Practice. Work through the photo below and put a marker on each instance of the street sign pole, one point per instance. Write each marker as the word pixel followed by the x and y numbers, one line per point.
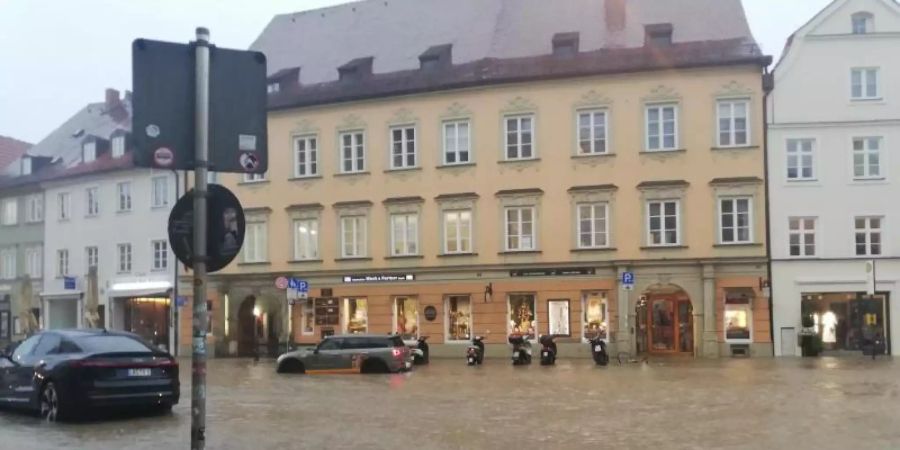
pixel 201 155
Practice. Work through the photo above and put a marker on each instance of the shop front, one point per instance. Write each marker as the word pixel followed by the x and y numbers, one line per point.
pixel 62 311
pixel 142 307
pixel 843 323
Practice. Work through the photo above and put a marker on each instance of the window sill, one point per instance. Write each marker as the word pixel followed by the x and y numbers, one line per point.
pixel 867 101
pixel 593 249
pixel 791 181
pixel 310 177
pixel 589 156
pixel 664 247
pixel 735 147
pixel 159 206
pixel 457 165
pixel 738 244
pixel 405 257
pixel 250 183
pixel 124 211
pixel 456 255
pixel 403 169
pixel 91 216
pixel 255 263
pixel 305 261
pixel 869 180
pixel 163 270
pixel 520 252
pixel 519 161
pixel 350 174
pixel 674 151
pixel 353 258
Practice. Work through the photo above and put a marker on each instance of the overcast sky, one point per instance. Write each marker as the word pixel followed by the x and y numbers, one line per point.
pixel 56 56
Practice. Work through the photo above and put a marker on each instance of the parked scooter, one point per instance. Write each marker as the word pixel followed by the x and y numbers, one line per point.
pixel 521 349
pixel 598 351
pixel 548 350
pixel 475 352
pixel 419 349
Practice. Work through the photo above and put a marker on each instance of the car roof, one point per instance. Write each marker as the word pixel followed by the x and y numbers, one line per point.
pixel 361 336
pixel 75 333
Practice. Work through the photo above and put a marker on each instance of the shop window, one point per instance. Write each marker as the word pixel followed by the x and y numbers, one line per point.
pixel 845 320
pixel 738 317
pixel 522 318
pixel 459 318
pixel 596 322
pixel 558 317
pixel 307 319
pixel 356 315
pixel 406 317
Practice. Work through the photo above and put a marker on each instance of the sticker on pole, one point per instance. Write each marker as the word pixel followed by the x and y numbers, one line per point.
pixel 281 283
pixel 249 162
pixel 163 157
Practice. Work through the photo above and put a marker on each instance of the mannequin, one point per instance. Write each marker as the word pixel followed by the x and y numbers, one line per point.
pixel 829 327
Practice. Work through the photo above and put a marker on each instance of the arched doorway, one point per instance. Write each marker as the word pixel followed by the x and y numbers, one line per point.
pixel 665 318
pixel 246 326
pixel 260 326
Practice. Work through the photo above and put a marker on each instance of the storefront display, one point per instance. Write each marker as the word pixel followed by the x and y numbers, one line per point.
pixel 356 315
pixel 846 320
pixel 148 318
pixel 558 312
pixel 738 316
pixel 522 315
pixel 595 319
pixel 308 319
pixel 459 318
pixel 406 317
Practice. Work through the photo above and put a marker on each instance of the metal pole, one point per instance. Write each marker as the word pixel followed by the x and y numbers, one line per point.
pixel 201 130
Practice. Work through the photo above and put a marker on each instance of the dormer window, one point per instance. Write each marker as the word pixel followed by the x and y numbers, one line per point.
pixel 88 152
pixel 26 166
pixel 862 22
pixel 436 57
pixel 565 44
pixel 658 35
pixel 273 88
pixel 118 146
pixel 357 69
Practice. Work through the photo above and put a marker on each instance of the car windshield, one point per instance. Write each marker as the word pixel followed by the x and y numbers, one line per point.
pixel 113 344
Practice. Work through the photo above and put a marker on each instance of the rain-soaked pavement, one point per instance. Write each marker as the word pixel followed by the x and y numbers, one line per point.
pixel 667 404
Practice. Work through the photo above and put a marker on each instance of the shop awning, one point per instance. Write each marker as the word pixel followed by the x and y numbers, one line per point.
pixel 139 289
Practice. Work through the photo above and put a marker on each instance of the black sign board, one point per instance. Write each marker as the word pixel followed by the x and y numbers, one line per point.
pixel 327 312
pixel 379 278
pixel 553 272
pixel 226 227
pixel 164 98
pixel 430 313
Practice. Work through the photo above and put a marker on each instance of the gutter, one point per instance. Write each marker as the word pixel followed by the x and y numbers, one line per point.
pixel 768 86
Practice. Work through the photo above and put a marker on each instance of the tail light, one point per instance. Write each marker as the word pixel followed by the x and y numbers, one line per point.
pixel 162 363
pixel 398 352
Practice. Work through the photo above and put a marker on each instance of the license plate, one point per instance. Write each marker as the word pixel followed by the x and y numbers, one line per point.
pixel 515 354
pixel 598 348
pixel 139 372
pixel 471 360
pixel 546 353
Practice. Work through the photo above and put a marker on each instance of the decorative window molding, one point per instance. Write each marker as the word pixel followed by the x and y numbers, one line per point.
pixel 663 190
pixel 662 94
pixel 351 122
pixel 593 99
pixel 303 126
pixel 519 105
pixel 456 111
pixel 733 89
pixel 402 116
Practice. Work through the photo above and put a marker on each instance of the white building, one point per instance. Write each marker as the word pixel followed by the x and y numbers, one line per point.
pixel 834 178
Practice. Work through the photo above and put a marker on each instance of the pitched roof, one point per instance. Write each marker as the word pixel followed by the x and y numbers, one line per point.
pixel 64 143
pixel 396 32
pixel 104 163
pixel 10 150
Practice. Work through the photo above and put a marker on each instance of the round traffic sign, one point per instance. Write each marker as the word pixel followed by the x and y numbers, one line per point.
pixel 226 226
pixel 163 157
pixel 281 283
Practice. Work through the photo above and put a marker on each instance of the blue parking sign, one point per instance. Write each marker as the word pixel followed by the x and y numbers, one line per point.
pixel 298 284
pixel 628 278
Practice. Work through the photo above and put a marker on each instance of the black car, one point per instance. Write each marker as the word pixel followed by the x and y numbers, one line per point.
pixel 62 373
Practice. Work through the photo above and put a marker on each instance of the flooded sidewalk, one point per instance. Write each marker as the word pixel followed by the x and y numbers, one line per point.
pixel 668 403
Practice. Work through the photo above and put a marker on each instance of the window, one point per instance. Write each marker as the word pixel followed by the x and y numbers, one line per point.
pixel 864 84
pixel 733 130
pixel 273 88
pixel 65 206
pixel 403 147
pixel 353 236
pixel 307 319
pixel 34 208
pixel 160 255
pixel 93 201
pixel 124 192
pixel 160 195
pixel 663 222
pixel 404 234
pixel 738 317
pixel 867 158
pixel 8 263
pixel 800 159
pixel 353 152
pixel 522 318
pixel 34 256
pixel 596 321
pixel 662 127
pixel 459 318
pixel 520 229
pixel 458 231
pixel 306 157
pixel 26 166
pixel 406 317
pixel 735 220
pixel 868 236
pixel 256 246
pixel 89 152
pixel 254 177
pixel 802 236
pixel 306 239
pixel 862 22
pixel 592 128
pixel 457 144
pixel 593 227
pixel 356 316
pixel 62 263
pixel 124 258
pixel 10 210
pixel 558 317
pixel 520 137
pixel 118 146
pixel 91 256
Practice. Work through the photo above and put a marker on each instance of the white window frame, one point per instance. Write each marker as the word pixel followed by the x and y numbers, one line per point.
pixel 864 92
pixel 306 243
pixel 10 211
pixel 520 235
pixel 256 242
pixel 26 166
pixel 404 143
pixel 160 249
pixel 124 257
pixel 118 146
pixel 732 105
pixel 868 23
pixel 34 260
pixel 593 232
pixel 64 199
pixel 660 127
pixel 471 319
pixel 406 227
pixel 89 152
pixel 452 127
pixel 34 208
pixel 734 217
pixel 357 149
pixel 802 232
pixel 62 263
pixel 591 138
pixel 91 257
pixel 360 234
pixel 868 230
pixel 8 263
pixel 867 152
pixel 663 230
pixel 123 196
pixel 159 192
pixel 92 198
pixel 460 239
pixel 519 133
pixel 254 177
pixel 309 166
pixel 799 153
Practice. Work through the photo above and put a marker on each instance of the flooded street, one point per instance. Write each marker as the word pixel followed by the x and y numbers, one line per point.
pixel 685 404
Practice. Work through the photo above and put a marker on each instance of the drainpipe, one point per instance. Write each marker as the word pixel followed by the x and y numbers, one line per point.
pixel 768 87
pixel 174 315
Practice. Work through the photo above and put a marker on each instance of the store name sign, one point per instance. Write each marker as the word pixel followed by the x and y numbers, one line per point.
pixel 379 278
pixel 553 272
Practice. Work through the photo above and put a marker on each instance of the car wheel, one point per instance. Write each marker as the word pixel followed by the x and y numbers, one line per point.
pixel 52 408
pixel 374 366
pixel 291 366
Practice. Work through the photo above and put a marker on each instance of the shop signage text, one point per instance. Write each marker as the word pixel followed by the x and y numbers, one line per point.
pixel 553 272
pixel 379 278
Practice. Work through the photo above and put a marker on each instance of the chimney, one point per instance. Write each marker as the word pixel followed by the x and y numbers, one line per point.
pixel 565 44
pixel 112 98
pixel 436 57
pixel 356 69
pixel 616 15
pixel 658 34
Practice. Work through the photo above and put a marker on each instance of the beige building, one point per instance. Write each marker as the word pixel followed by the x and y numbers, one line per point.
pixel 441 186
